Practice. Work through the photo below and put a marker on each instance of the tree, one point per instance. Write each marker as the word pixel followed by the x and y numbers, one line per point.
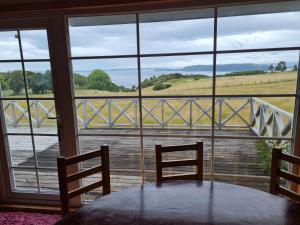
pixel 295 68
pixel 41 83
pixel 80 81
pixel 3 81
pixel 281 66
pixel 100 80
pixel 158 87
pixel 15 81
pixel 271 68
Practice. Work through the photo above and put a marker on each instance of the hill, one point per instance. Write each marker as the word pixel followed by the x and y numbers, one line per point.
pixel 228 67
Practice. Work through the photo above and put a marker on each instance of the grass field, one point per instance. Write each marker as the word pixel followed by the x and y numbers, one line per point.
pixel 273 83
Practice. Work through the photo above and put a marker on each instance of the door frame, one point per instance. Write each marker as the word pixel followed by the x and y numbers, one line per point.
pixel 59 53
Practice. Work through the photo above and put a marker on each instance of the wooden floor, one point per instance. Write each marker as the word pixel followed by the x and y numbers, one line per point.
pixel 235 160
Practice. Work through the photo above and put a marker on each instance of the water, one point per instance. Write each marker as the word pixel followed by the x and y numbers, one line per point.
pixel 129 77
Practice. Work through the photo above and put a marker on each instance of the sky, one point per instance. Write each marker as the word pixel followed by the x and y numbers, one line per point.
pixel 238 32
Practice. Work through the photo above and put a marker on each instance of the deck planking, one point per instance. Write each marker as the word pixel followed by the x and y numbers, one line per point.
pixel 235 159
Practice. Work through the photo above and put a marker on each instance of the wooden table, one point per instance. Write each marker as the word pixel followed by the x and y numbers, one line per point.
pixel 187 203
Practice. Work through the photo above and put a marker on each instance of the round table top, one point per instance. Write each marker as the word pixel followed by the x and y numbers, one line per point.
pixel 187 202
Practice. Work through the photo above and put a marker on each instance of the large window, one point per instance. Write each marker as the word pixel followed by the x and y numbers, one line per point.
pixel 227 76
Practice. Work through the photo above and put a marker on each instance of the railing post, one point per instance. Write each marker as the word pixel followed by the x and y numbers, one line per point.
pixel 252 113
pixel 136 101
pixel 162 113
pixel 109 101
pixel 191 113
pixel 36 114
pixel 84 113
pixel 13 112
pixel 220 101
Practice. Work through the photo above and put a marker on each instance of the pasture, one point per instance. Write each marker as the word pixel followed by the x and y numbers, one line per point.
pixel 271 83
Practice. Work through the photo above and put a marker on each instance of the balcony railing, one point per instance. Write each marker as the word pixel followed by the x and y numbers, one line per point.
pixel 263 118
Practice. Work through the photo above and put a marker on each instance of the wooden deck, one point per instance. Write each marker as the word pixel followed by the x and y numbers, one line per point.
pixel 235 160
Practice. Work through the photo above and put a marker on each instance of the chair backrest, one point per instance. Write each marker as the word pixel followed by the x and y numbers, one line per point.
pixel 65 179
pixel 198 162
pixel 277 173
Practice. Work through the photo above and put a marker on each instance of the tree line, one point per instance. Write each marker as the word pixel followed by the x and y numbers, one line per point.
pixel 280 67
pixel 38 83
pixel 41 83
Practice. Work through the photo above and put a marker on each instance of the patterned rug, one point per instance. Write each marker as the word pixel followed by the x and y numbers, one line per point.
pixel 23 218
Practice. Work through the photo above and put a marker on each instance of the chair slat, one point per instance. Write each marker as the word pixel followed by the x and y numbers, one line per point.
pixel 181 177
pixel 290 158
pixel 289 176
pixel 290 194
pixel 82 174
pixel 85 189
pixel 178 148
pixel 174 163
pixel 83 157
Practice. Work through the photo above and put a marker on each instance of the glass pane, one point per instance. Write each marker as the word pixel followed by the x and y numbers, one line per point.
pixel 105 77
pixel 35 44
pixel 11 80
pixel 16 116
pixel 177 75
pixel 48 180
pixel 25 179
pixel 107 113
pixel 9 45
pixel 39 79
pixel 103 35
pixel 242 28
pixel 245 162
pixel 255 116
pixel 47 151
pixel 124 153
pixel 177 113
pixel 41 112
pixel 150 161
pixel 21 151
pixel 257 73
pixel 177 31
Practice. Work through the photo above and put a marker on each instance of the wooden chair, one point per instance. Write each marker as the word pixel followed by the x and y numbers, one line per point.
pixel 64 179
pixel 198 147
pixel 277 173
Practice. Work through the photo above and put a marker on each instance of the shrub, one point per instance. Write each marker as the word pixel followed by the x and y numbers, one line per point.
pixel 264 153
pixel 158 87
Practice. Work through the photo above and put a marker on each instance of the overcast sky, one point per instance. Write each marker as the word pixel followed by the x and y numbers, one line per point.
pixel 240 32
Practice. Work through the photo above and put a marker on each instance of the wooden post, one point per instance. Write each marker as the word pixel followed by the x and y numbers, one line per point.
pixel 158 163
pixel 296 131
pixel 59 50
pixel 276 164
pixel 199 149
pixel 63 185
pixel 105 169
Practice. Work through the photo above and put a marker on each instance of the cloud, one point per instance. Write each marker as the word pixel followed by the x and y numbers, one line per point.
pixel 240 32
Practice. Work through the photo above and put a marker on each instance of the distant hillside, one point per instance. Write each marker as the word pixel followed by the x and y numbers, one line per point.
pixel 228 67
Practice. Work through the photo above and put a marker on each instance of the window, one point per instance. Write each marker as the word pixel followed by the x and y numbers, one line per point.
pixel 189 75
pixel 26 103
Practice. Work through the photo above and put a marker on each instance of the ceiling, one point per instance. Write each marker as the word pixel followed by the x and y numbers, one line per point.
pixel 28 5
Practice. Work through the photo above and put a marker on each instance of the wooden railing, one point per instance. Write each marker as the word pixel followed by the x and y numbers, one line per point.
pixel 263 118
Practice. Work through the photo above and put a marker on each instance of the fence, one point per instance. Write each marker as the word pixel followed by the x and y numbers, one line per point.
pixel 262 118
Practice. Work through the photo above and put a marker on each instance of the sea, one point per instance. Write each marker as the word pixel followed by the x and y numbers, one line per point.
pixel 129 77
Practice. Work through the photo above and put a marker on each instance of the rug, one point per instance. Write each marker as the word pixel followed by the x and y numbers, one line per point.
pixel 23 218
